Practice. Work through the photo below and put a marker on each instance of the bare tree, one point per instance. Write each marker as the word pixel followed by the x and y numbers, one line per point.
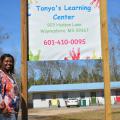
pixel 115 49
pixel 3 36
pixel 113 65
pixel 115 26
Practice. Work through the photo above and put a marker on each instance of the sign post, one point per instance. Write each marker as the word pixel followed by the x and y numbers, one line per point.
pixel 24 59
pixel 105 56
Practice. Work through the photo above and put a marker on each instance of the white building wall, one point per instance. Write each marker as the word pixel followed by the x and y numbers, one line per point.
pixel 112 100
pixel 61 100
pixel 113 97
pixel 100 100
pixel 38 103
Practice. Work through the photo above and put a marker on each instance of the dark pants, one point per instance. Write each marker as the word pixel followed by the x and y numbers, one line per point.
pixel 12 116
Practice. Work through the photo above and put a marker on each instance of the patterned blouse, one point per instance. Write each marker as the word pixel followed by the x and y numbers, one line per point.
pixel 9 91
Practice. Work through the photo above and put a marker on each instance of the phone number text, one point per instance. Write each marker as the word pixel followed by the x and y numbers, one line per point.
pixel 64 42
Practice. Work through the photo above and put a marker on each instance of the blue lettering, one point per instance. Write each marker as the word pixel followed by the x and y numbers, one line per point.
pixel 63 17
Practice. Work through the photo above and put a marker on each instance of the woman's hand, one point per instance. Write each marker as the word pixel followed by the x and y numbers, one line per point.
pixel 6 111
pixel 2 105
pixel 4 108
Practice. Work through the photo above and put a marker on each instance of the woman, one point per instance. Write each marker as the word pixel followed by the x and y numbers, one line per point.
pixel 9 93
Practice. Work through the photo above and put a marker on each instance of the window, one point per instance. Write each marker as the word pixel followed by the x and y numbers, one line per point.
pixel 102 94
pixel 36 96
pixel 65 95
pixel 93 94
pixel 117 92
pixel 43 96
pixel 82 95
pixel 54 96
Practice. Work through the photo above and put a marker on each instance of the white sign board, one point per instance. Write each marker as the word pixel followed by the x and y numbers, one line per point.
pixel 63 30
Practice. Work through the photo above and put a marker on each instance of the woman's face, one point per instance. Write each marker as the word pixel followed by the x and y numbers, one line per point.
pixel 7 64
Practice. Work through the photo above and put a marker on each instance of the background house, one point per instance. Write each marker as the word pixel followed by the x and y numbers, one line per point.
pixel 87 93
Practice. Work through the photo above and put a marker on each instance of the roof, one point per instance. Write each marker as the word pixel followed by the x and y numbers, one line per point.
pixel 71 87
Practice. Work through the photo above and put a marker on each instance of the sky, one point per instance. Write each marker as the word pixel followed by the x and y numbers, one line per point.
pixel 113 11
pixel 10 22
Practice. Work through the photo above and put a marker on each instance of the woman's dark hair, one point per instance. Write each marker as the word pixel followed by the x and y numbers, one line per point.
pixel 2 59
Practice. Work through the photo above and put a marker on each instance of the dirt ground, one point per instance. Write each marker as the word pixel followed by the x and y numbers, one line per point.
pixel 56 113
pixel 74 113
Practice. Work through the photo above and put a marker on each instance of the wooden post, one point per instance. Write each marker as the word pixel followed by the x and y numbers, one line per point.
pixel 105 57
pixel 24 73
